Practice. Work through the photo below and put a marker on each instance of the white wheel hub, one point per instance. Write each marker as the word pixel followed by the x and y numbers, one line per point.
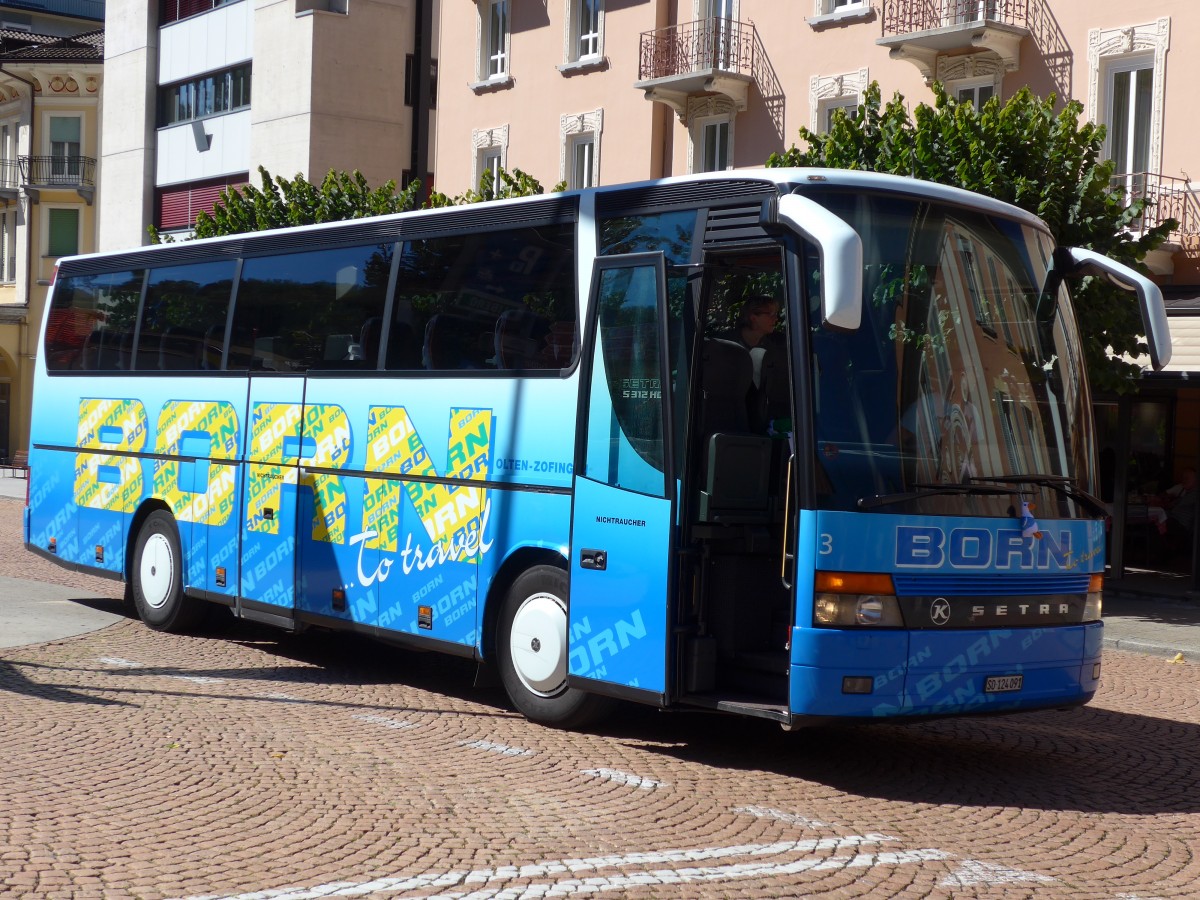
pixel 538 644
pixel 156 570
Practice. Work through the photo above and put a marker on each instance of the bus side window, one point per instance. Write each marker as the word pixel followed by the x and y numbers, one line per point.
pixel 88 316
pixel 182 302
pixel 307 310
pixel 497 300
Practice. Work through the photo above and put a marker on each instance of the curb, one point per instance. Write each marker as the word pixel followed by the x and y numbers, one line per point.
pixel 1146 648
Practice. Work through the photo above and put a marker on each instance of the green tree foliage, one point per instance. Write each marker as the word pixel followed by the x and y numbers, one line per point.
pixel 1025 153
pixel 282 203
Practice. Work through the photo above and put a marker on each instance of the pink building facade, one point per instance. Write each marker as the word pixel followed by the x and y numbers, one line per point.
pixel 591 92
pixel 611 91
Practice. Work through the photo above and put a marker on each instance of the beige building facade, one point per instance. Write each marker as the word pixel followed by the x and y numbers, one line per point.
pixel 51 84
pixel 216 88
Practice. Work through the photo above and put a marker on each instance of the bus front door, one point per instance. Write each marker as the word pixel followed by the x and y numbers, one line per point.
pixel 622 518
pixel 273 451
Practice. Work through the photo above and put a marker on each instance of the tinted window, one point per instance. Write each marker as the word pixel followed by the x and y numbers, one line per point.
pixel 183 317
pixel 502 300
pixel 320 309
pixel 91 319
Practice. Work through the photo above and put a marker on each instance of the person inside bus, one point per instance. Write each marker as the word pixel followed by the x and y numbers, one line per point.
pixel 758 318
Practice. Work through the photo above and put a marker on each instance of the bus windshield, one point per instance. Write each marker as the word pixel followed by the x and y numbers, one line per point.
pixel 964 391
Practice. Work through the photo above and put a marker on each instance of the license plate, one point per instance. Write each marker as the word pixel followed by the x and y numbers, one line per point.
pixel 1001 684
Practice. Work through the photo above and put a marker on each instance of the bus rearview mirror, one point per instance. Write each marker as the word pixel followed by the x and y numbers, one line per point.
pixel 841 253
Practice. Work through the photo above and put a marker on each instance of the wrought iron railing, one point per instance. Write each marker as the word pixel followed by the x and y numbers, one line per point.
pixel 722 44
pixel 10 174
pixel 907 16
pixel 58 171
pixel 1166 198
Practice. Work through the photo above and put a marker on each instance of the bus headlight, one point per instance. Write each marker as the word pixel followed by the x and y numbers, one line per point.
pixel 855 600
pixel 856 610
pixel 1093 607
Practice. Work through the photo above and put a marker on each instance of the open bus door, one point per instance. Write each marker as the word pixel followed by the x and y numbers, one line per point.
pixel 622 531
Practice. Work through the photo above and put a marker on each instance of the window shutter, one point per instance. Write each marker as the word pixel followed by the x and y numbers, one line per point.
pixel 64 232
pixel 64 129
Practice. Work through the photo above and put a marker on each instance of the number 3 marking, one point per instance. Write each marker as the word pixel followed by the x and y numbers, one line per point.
pixel 826 544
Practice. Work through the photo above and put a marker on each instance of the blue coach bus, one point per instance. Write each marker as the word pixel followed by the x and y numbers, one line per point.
pixel 793 444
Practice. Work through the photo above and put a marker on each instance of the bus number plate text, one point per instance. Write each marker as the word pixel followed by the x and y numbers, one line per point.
pixel 1001 684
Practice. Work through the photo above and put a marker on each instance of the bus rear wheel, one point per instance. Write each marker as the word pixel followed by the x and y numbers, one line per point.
pixel 531 649
pixel 156 577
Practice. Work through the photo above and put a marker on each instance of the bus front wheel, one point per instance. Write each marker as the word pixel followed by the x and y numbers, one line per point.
pixel 532 649
pixel 156 577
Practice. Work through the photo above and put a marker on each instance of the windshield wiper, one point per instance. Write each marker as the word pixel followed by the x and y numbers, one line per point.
pixel 931 490
pixel 1064 484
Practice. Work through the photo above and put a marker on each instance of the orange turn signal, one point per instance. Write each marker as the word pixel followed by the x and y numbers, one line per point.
pixel 854 583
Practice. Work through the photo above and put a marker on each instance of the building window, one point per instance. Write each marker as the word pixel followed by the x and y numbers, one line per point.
pixel 579 163
pixel 65 149
pixel 410 62
pixel 489 166
pixel 829 93
pixel 586 17
pixel 1125 92
pixel 583 161
pixel 178 206
pixel 835 7
pixel 174 10
pixel 8 246
pixel 9 164
pixel 1130 91
pixel 975 93
pixel 62 231
pixel 207 95
pixel 493 57
pixel 848 106
pixel 715 146
pixel 491 150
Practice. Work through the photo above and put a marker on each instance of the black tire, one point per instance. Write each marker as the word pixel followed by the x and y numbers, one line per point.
pixel 531 653
pixel 156 578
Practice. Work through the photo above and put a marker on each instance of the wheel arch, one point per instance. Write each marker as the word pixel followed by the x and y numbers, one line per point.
pixel 520 560
pixel 135 526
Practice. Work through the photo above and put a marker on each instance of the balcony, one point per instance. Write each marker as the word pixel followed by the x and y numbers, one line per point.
pixel 1166 198
pixel 920 31
pixel 709 57
pixel 72 173
pixel 10 180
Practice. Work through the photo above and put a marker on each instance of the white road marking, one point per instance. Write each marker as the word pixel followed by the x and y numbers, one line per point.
pixel 492 747
pixel 198 679
pixel 763 812
pixel 645 784
pixel 276 695
pixel 479 881
pixel 973 872
pixel 385 721
pixel 118 663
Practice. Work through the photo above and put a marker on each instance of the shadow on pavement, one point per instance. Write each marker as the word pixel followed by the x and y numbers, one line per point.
pixel 13 681
pixel 1085 760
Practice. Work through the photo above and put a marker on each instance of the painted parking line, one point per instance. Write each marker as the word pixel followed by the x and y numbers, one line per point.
pixel 761 812
pixel 493 747
pixel 117 662
pixel 618 777
pixel 385 721
pixel 767 861
pixel 973 873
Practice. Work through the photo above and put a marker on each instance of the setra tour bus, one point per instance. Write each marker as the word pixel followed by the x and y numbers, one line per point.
pixel 795 444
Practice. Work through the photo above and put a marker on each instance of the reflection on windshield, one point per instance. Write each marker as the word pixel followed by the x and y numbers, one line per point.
pixel 967 364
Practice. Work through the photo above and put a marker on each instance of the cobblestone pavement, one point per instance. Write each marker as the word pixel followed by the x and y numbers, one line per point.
pixel 252 764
